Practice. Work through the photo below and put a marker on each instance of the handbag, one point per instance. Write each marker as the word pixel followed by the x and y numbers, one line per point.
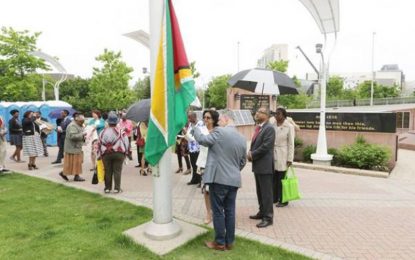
pixel 141 142
pixel 100 170
pixel 95 177
pixel 290 186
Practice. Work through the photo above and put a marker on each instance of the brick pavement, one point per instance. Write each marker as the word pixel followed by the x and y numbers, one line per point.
pixel 339 216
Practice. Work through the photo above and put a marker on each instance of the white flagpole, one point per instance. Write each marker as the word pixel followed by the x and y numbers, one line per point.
pixel 163 226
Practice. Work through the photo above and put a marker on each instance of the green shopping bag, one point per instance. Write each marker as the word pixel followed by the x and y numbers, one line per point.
pixel 290 186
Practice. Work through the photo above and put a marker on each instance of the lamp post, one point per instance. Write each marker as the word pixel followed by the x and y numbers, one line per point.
pixel 326 16
pixel 57 66
pixel 373 70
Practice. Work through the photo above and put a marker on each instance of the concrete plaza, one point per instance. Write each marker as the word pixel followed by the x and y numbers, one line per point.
pixel 339 216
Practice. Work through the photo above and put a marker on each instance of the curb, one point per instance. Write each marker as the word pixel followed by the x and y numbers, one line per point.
pixel 335 169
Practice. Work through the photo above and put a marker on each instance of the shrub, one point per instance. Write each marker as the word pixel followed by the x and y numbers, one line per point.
pixel 298 142
pixel 308 150
pixel 363 155
pixel 335 153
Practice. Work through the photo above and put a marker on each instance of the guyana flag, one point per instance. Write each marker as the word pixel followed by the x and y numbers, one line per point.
pixel 173 89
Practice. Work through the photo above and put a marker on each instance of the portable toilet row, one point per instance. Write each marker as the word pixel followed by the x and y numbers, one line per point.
pixel 48 109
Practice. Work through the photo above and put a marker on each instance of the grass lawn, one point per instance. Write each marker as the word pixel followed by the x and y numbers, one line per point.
pixel 45 220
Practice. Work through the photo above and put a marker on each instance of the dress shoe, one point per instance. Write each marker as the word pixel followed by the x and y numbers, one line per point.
pixel 56 162
pixel 186 172
pixel 280 205
pixel 257 216
pixel 192 183
pixel 63 176
pixel 179 170
pixel 5 170
pixel 78 178
pixel 214 245
pixel 229 247
pixel 264 223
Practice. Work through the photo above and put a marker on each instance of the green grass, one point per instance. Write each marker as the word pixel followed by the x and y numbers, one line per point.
pixel 44 220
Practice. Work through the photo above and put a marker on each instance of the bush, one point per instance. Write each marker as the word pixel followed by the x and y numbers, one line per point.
pixel 298 142
pixel 335 153
pixel 308 151
pixel 363 155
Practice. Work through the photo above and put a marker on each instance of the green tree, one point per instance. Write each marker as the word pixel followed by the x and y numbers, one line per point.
pixel 109 84
pixel 294 101
pixel 379 91
pixel 18 78
pixel 216 92
pixel 297 82
pixel 142 88
pixel 77 92
pixel 335 87
pixel 278 65
pixel 195 73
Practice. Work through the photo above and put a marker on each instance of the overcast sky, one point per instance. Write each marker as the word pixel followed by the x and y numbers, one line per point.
pixel 77 31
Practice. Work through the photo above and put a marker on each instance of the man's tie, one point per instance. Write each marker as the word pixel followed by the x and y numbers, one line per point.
pixel 257 129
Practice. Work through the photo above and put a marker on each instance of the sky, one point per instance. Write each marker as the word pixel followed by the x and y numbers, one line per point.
pixel 77 31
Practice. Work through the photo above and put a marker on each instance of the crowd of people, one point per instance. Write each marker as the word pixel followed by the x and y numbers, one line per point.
pixel 213 150
pixel 109 137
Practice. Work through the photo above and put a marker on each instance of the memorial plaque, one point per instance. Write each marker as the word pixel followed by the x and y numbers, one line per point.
pixel 356 122
pixel 253 102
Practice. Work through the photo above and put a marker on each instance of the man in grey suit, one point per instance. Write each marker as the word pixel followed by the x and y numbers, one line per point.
pixel 226 158
pixel 261 155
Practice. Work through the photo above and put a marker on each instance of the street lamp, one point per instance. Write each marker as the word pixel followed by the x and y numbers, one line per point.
pixel 373 70
pixel 326 16
pixel 55 63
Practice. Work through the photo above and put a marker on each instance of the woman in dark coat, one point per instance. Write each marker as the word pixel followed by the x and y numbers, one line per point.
pixel 15 132
pixel 32 144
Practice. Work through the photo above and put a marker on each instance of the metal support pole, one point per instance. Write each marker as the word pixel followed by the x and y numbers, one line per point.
pixel 163 226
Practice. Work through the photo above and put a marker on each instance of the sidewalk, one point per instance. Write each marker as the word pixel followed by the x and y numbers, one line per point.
pixel 339 216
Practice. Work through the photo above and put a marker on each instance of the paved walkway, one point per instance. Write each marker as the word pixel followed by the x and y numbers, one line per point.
pixel 340 216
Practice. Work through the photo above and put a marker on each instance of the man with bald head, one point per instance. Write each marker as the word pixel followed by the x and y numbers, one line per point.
pixel 261 155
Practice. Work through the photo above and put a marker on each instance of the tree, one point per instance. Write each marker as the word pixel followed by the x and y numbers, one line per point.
pixel 297 82
pixel 335 87
pixel 216 92
pixel 77 92
pixel 18 78
pixel 195 73
pixel 379 91
pixel 109 84
pixel 278 65
pixel 142 88
pixel 294 101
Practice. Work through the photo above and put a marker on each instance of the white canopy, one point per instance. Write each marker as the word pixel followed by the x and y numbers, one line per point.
pixel 325 13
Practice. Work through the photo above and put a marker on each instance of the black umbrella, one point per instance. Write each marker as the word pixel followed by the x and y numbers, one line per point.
pixel 263 81
pixel 139 111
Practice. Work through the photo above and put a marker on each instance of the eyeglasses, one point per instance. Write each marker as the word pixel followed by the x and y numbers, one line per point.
pixel 207 117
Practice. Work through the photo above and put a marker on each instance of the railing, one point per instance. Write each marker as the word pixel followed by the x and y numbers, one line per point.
pixel 363 102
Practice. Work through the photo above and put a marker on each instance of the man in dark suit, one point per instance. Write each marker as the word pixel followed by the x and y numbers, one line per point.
pixel 66 120
pixel 261 155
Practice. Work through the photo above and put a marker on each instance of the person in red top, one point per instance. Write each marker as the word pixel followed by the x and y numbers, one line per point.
pixel 127 126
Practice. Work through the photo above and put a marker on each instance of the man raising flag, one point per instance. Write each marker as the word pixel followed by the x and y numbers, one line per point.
pixel 173 89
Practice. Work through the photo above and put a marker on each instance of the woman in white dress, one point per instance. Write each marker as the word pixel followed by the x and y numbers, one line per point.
pixel 210 120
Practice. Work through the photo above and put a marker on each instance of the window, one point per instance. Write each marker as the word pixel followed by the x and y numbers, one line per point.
pixel 402 119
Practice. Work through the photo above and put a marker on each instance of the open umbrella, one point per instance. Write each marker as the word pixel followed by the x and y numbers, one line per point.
pixel 56 113
pixel 263 81
pixel 139 111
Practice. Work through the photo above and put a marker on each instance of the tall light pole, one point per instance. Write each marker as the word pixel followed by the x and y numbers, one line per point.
pixel 373 70
pixel 237 57
pixel 326 16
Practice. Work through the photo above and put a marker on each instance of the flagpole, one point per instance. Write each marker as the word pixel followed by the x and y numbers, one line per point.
pixel 163 226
